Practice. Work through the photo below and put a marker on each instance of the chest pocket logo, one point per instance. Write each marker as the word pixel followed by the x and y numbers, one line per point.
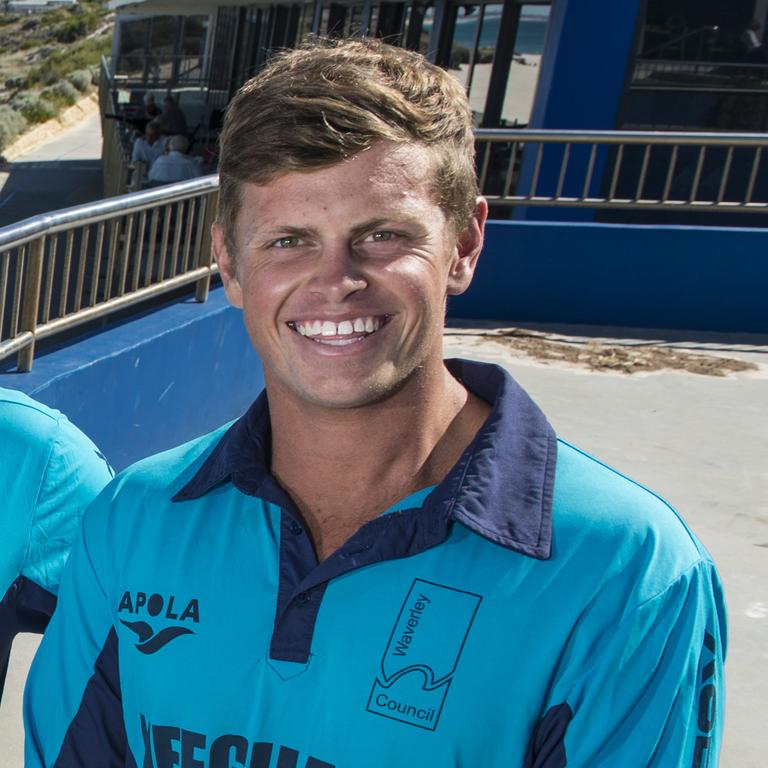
pixel 157 607
pixel 422 654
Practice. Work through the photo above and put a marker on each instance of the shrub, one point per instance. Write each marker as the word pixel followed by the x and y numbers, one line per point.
pixel 30 24
pixel 12 123
pixel 61 94
pixel 32 107
pixel 84 54
pixel 81 79
pixel 75 27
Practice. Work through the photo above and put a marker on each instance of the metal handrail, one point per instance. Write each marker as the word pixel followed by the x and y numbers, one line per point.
pixel 623 169
pixel 683 138
pixel 62 269
pixel 101 210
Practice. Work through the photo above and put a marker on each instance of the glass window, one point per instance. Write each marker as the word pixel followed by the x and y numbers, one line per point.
pixel 193 47
pixel 473 52
pixel 162 47
pixel 700 64
pixel 133 40
pixel 524 72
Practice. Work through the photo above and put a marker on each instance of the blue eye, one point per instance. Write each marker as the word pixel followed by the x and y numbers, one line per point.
pixel 382 236
pixel 286 242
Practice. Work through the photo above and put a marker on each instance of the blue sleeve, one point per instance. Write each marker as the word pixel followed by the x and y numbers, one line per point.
pixel 645 691
pixel 75 473
pixel 73 701
pixel 49 473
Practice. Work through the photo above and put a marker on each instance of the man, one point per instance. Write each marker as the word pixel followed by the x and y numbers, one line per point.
pixel 150 146
pixel 386 561
pixel 172 117
pixel 49 473
pixel 175 164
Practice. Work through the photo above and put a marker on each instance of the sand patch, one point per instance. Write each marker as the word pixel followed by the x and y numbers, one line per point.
pixel 637 357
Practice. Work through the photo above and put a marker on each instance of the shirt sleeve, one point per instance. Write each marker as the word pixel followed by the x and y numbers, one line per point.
pixel 75 473
pixel 72 701
pixel 645 691
pixel 60 471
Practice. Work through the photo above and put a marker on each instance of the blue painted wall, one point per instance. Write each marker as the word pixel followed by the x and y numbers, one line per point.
pixel 581 84
pixel 584 63
pixel 154 382
pixel 602 274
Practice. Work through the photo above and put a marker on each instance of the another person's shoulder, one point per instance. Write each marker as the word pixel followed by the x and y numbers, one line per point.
pixel 31 423
pixel 619 525
pixel 19 411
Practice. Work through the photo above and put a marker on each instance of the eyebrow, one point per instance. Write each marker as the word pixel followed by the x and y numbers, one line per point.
pixel 277 231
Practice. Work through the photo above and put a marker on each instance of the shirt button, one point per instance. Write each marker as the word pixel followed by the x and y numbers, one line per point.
pixel 304 597
pixel 296 529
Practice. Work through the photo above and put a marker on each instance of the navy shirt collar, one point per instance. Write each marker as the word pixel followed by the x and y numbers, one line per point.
pixel 501 487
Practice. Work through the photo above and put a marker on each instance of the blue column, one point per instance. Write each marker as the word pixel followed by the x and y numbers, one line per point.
pixel 584 68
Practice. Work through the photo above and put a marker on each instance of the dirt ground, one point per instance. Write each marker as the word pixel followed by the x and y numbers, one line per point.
pixel 629 357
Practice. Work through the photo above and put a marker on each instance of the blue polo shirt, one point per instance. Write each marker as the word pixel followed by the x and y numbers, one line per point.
pixel 49 473
pixel 534 609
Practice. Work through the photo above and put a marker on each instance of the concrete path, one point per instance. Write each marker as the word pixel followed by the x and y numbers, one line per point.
pixel 60 172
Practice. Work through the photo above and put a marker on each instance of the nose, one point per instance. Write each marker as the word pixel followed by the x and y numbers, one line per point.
pixel 337 274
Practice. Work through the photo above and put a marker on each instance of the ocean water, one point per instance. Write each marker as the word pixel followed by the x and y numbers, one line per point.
pixel 530 33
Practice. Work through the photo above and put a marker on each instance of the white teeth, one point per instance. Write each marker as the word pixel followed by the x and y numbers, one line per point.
pixel 327 328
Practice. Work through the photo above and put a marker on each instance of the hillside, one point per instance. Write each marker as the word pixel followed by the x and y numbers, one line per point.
pixel 48 61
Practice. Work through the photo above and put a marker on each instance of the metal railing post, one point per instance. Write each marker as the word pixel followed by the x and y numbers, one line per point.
pixel 205 256
pixel 31 302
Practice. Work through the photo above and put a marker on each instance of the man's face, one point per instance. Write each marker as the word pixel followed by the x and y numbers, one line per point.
pixel 342 274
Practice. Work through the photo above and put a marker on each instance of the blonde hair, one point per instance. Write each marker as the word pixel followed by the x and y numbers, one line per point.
pixel 314 106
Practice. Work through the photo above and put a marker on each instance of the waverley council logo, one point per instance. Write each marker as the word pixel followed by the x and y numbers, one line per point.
pixel 422 654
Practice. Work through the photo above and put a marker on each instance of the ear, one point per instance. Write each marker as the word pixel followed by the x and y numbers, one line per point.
pixel 227 268
pixel 469 243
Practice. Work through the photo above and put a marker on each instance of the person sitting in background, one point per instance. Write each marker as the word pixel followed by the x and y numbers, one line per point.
pixel 175 164
pixel 752 43
pixel 147 148
pixel 151 110
pixel 172 118
pixel 49 473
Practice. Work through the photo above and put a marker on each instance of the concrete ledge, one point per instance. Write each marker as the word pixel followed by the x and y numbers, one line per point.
pixel 153 382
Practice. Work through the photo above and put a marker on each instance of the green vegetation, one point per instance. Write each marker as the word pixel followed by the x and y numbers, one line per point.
pixel 47 62
pixel 60 63
pixel 82 79
pixel 12 123
pixel 33 107
pixel 61 94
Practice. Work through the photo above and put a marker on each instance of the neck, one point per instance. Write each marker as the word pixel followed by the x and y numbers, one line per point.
pixel 343 467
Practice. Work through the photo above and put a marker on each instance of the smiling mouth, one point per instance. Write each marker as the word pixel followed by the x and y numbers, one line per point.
pixel 339 334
